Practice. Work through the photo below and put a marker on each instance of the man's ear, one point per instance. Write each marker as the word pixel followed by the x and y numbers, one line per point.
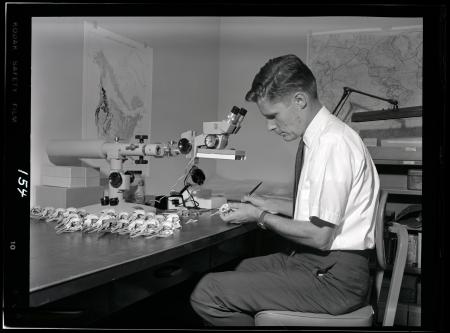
pixel 300 100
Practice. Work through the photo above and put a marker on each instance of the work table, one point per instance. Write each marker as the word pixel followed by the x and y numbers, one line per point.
pixel 64 264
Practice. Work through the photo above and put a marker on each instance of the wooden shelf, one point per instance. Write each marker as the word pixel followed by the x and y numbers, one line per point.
pixel 396 162
pixel 402 191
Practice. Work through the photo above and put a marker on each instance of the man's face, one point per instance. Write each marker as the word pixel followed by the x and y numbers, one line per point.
pixel 284 118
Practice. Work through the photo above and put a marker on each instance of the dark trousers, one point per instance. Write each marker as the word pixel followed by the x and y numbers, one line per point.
pixel 333 282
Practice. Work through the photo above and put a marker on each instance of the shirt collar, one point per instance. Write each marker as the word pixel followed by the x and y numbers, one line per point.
pixel 316 126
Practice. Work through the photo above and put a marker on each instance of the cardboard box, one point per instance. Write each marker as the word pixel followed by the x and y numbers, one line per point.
pixel 69 171
pixel 396 153
pixel 393 181
pixel 213 202
pixel 69 176
pixel 70 182
pixel 64 197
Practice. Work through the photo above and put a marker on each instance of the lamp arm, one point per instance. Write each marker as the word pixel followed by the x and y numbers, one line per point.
pixel 342 101
pixel 391 101
pixel 348 91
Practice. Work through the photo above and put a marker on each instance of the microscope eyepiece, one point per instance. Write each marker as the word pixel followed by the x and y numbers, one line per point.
pixel 197 176
pixel 243 112
pixel 235 110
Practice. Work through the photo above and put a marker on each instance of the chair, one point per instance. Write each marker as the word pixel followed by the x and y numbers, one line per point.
pixel 363 316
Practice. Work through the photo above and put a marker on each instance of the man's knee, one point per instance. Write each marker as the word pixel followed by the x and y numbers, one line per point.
pixel 345 306
pixel 244 264
pixel 203 291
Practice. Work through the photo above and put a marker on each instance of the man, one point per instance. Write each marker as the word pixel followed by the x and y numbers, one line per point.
pixel 333 217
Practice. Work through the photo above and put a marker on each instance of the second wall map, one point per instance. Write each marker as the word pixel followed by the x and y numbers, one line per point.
pixel 383 63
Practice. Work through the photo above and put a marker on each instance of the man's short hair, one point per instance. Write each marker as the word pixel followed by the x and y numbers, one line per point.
pixel 280 77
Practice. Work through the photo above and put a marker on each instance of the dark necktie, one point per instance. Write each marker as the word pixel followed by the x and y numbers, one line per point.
pixel 298 169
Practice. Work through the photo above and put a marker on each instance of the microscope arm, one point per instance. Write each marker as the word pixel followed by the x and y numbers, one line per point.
pixel 107 150
pixel 209 144
pixel 116 153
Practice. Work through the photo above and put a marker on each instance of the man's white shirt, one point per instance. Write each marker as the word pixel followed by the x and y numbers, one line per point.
pixel 339 183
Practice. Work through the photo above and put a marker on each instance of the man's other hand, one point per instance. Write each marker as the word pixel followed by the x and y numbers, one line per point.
pixel 241 213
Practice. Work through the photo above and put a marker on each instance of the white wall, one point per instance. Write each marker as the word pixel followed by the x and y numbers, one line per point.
pixel 56 89
pixel 202 67
pixel 185 78
pixel 246 44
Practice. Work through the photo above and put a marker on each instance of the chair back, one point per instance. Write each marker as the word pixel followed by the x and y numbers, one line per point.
pixel 398 264
pixel 379 241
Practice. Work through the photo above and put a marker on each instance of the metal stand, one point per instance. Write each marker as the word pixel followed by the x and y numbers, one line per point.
pixel 348 91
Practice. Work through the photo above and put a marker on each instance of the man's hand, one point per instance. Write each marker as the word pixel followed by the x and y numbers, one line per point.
pixel 260 202
pixel 241 213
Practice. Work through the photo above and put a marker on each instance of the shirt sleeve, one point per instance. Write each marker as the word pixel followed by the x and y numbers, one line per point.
pixel 330 179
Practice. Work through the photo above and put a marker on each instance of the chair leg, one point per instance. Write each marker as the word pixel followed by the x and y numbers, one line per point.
pixel 379 282
pixel 397 273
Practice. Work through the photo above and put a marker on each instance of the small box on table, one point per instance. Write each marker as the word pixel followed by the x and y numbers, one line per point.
pixel 64 197
pixel 210 203
pixel 64 176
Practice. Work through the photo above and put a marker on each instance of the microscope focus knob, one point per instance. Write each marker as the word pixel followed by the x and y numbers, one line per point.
pixel 141 138
pixel 141 160
pixel 184 145
pixel 115 179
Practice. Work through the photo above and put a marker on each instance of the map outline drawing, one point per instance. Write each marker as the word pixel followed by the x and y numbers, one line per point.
pixel 117 88
pixel 383 63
